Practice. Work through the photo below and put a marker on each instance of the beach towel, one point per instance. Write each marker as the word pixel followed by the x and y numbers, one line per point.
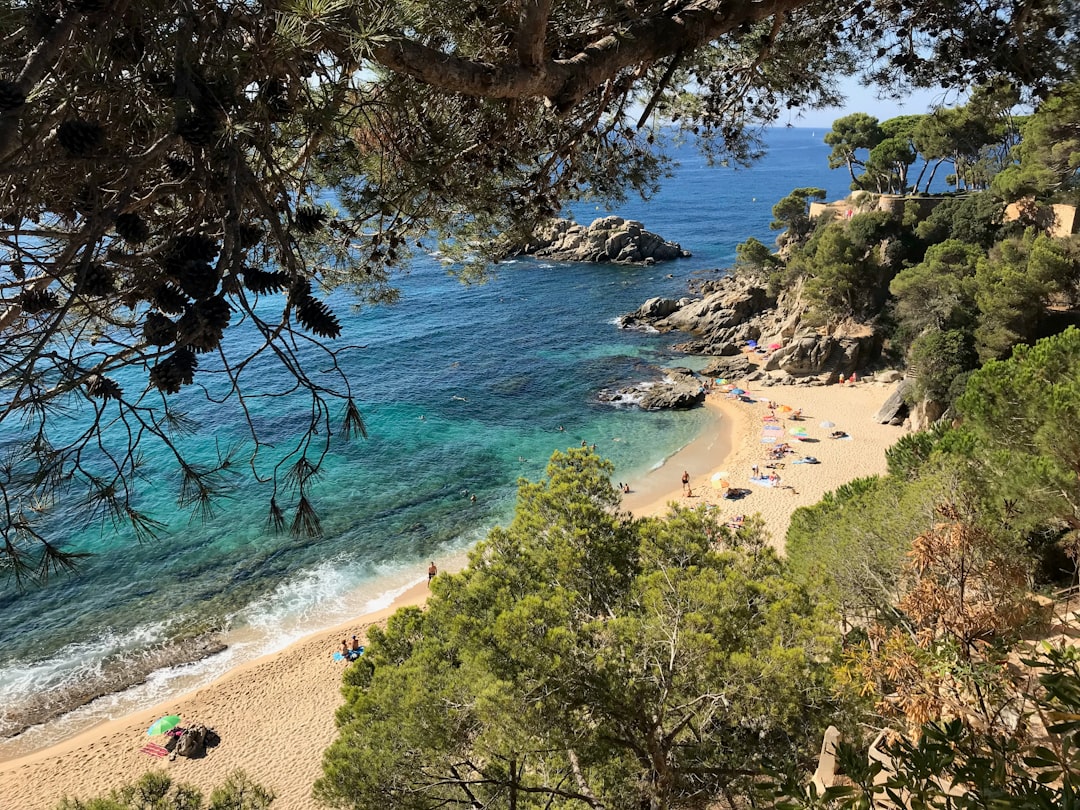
pixel 773 428
pixel 761 482
pixel 807 460
pixel 154 750
pixel 767 439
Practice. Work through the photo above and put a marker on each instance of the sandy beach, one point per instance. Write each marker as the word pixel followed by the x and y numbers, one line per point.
pixel 275 715
pixel 737 445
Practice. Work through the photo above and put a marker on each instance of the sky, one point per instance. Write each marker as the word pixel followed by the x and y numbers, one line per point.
pixel 864 99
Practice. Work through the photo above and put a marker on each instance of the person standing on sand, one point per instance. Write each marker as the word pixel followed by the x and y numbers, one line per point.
pixel 431 572
pixel 686 483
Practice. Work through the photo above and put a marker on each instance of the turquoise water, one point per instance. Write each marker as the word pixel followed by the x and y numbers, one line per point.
pixel 463 389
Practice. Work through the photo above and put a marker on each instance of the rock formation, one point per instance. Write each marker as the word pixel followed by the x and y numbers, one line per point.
pixel 610 239
pixel 680 389
pixel 732 311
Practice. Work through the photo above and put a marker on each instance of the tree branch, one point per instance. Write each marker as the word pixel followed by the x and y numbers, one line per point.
pixel 532 32
pixel 566 81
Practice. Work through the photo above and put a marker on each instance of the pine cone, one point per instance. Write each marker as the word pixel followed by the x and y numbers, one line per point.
pixel 169 299
pixel 132 228
pixel 317 317
pixel 204 324
pixel 80 138
pixel 97 280
pixel 187 247
pixel 174 371
pixel 35 301
pixel 263 281
pixel 197 278
pixel 178 168
pixel 249 235
pixel 100 387
pixel 300 289
pixel 128 47
pixel 309 219
pixel 199 128
pixel 11 97
pixel 158 330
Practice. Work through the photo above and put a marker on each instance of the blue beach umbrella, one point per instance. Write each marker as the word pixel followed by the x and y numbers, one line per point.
pixel 737 392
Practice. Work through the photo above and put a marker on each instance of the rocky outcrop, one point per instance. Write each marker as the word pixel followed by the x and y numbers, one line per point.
pixel 732 311
pixel 811 353
pixel 680 389
pixel 896 409
pixel 610 239
pixel 733 368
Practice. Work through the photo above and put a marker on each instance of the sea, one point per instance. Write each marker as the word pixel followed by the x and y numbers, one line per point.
pixel 465 389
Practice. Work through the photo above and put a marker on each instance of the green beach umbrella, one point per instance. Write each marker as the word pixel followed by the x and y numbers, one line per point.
pixel 166 723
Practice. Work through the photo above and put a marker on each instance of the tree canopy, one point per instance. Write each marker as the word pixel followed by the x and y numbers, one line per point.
pixel 587 659
pixel 180 171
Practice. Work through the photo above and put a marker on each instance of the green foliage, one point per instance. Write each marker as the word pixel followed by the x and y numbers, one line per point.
pixel 855 539
pixel 974 219
pixel 866 230
pixel 850 135
pixel 957 765
pixel 1015 282
pixel 1017 417
pixel 937 358
pixel 587 658
pixel 887 165
pixel 938 293
pixel 1049 153
pixel 843 274
pixel 909 455
pixel 155 790
pixel 792 214
pixel 754 258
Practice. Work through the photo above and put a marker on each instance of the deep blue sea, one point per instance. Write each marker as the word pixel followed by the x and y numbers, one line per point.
pixel 463 389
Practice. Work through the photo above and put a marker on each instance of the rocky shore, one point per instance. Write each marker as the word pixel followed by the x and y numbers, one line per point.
pixel 751 336
pixel 610 239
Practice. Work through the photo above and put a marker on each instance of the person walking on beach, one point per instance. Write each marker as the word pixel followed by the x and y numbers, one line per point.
pixel 686 483
pixel 431 572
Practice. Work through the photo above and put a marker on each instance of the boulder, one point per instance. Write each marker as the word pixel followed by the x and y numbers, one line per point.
pixel 192 743
pixel 895 409
pixel 679 395
pixel 652 310
pixel 732 368
pixel 812 353
pixel 609 239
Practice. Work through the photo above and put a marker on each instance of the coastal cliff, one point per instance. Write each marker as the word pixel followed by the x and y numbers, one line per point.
pixel 733 312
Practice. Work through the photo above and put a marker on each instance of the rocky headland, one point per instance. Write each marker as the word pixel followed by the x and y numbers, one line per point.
pixel 750 335
pixel 610 239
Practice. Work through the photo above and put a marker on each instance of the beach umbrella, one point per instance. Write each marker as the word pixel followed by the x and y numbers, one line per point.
pixel 784 409
pixel 752 344
pixel 828 424
pixel 719 480
pixel 774 346
pixel 721 381
pixel 163 724
pixel 797 431
pixel 737 392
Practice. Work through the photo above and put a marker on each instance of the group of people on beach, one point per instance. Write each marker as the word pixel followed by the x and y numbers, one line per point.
pixel 350 652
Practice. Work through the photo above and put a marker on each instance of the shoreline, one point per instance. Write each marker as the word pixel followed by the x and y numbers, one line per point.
pixel 293 693
pixel 302 678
